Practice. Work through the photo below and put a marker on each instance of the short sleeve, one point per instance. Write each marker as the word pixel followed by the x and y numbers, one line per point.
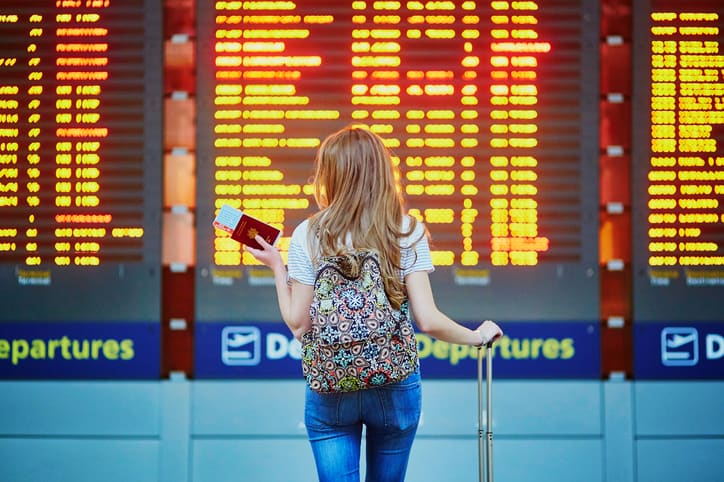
pixel 415 252
pixel 299 262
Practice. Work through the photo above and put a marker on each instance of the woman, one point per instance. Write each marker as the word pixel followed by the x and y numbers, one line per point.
pixel 361 207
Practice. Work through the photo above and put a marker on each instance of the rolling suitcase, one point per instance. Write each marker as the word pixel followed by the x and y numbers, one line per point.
pixel 485 448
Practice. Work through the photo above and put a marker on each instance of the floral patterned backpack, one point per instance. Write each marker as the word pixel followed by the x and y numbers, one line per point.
pixel 358 340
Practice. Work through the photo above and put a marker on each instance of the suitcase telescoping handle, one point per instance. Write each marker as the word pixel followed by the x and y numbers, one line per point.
pixel 485 449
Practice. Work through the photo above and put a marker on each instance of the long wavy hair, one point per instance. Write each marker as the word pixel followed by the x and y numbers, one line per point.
pixel 357 188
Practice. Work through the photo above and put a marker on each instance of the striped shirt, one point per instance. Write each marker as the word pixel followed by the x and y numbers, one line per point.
pixel 301 268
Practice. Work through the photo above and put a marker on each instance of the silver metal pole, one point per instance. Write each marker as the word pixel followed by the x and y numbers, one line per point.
pixel 481 453
pixel 489 398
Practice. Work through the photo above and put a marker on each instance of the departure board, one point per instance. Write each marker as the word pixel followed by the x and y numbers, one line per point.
pixel 489 108
pixel 678 196
pixel 80 157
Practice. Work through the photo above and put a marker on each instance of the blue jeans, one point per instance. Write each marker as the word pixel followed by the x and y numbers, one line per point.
pixel 334 425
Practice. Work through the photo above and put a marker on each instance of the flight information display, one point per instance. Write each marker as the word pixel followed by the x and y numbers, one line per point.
pixel 490 109
pixel 80 157
pixel 678 161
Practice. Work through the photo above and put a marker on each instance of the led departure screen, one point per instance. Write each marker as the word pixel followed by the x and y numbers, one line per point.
pixel 679 165
pixel 80 153
pixel 490 110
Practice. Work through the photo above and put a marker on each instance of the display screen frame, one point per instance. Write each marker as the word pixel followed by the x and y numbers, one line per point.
pixel 662 293
pixel 125 286
pixel 554 290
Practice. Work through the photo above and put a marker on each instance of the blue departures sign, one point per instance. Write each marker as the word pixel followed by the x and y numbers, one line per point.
pixel 677 350
pixel 56 350
pixel 562 350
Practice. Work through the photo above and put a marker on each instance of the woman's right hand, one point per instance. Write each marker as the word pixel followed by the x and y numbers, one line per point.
pixel 489 332
pixel 268 255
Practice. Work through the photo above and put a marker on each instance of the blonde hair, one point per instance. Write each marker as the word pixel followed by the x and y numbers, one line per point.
pixel 357 188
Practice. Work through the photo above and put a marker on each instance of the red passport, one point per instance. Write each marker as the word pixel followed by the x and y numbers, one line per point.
pixel 244 228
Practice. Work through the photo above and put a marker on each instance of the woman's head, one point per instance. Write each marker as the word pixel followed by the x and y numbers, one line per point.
pixel 354 169
pixel 358 191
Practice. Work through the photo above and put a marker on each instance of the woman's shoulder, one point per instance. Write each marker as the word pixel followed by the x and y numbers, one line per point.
pixel 300 232
pixel 417 232
pixel 407 220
